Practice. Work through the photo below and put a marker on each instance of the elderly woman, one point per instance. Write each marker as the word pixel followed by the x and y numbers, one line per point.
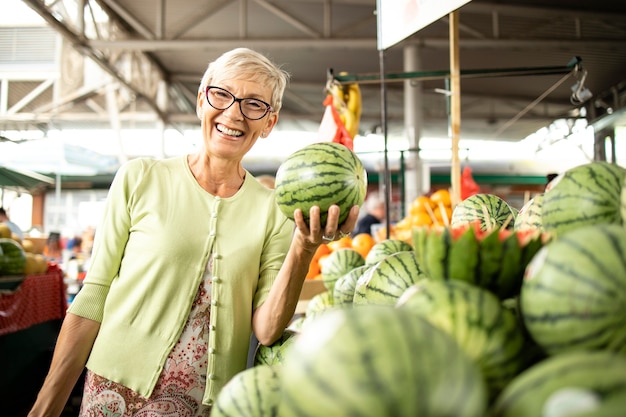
pixel 192 255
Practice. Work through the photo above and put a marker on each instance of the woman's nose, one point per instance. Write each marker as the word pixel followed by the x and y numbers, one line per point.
pixel 234 111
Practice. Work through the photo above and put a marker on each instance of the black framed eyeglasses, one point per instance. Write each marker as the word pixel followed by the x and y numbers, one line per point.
pixel 251 108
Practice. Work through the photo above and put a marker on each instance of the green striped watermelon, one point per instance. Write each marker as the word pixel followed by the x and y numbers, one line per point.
pixel 574 293
pixel 378 361
pixel 584 195
pixel 489 209
pixel 12 257
pixel 529 216
pixel 254 392
pixel 385 282
pixel 343 293
pixel 321 174
pixel 532 393
pixel 385 248
pixel 338 263
pixel 274 353
pixel 475 318
pixel 319 303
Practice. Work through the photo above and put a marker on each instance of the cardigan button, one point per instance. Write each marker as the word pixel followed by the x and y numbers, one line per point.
pixel 212 377
pixel 214 302
pixel 211 350
pixel 212 327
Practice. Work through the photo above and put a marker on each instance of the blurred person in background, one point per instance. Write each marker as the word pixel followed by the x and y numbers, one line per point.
pixel 192 255
pixel 374 214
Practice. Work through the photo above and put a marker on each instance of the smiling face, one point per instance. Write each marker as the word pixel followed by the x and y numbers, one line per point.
pixel 227 133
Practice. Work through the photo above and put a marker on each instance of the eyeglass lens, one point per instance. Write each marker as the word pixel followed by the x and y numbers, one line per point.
pixel 222 99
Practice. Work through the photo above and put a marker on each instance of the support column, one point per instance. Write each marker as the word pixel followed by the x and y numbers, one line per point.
pixel 414 182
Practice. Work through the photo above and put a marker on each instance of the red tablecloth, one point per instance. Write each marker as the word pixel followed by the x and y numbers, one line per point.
pixel 38 298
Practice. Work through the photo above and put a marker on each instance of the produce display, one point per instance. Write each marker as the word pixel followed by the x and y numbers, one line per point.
pixel 255 392
pixel 385 282
pixel 529 216
pixel 596 376
pixel 378 361
pixel 18 257
pixel 338 263
pixel 490 211
pixel 493 259
pixel 486 330
pixel 574 294
pixel 523 316
pixel 321 174
pixel 274 353
pixel 584 195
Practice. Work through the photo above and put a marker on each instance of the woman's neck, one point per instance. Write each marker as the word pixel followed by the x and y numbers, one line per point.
pixel 219 179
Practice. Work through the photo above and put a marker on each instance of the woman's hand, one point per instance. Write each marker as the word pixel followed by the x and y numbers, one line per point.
pixel 313 234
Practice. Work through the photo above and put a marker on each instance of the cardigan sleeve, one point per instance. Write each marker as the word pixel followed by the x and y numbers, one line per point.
pixel 109 244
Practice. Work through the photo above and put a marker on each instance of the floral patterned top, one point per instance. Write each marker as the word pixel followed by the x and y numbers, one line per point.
pixel 181 384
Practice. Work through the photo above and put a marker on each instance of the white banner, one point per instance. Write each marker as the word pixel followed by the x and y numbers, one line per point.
pixel 398 19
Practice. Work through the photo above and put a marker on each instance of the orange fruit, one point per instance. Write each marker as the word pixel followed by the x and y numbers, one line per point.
pixel 314 270
pixel 321 250
pixel 419 205
pixel 344 242
pixel 362 243
pixel 421 219
pixel 443 214
pixel 441 196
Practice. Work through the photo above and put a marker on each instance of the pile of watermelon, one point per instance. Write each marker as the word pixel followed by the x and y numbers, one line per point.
pixel 502 313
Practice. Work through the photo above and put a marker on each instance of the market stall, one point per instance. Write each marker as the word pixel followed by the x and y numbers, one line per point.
pixel 31 310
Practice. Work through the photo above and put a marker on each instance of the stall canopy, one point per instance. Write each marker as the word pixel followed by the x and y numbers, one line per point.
pixel 22 180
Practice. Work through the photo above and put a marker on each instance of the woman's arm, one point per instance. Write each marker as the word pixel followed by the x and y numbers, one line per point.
pixel 270 319
pixel 70 355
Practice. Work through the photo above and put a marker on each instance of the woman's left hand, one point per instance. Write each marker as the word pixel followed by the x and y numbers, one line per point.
pixel 313 234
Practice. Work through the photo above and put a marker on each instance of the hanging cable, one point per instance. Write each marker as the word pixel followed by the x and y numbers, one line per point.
pixel 526 109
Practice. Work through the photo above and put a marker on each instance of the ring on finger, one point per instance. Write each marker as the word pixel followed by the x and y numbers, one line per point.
pixel 343 234
pixel 328 238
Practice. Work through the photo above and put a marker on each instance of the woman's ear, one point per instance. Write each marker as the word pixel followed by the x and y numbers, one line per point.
pixel 269 125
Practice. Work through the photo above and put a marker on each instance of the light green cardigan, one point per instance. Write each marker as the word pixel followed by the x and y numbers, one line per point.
pixel 159 228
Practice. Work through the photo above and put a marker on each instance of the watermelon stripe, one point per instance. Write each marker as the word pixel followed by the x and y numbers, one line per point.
pixel 600 371
pixel 586 194
pixel 610 284
pixel 388 279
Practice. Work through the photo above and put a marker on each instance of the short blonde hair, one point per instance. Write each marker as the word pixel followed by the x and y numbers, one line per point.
pixel 244 62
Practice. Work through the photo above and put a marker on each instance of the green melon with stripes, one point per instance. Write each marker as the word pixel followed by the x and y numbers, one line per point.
pixel 388 279
pixel 600 374
pixel 583 195
pixel 385 248
pixel 338 263
pixel 529 216
pixel 343 293
pixel 320 174
pixel 488 209
pixel 319 303
pixel 254 392
pixel 375 361
pixel 488 332
pixel 273 354
pixel 574 293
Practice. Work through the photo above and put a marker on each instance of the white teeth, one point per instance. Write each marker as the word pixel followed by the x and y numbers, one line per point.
pixel 228 131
